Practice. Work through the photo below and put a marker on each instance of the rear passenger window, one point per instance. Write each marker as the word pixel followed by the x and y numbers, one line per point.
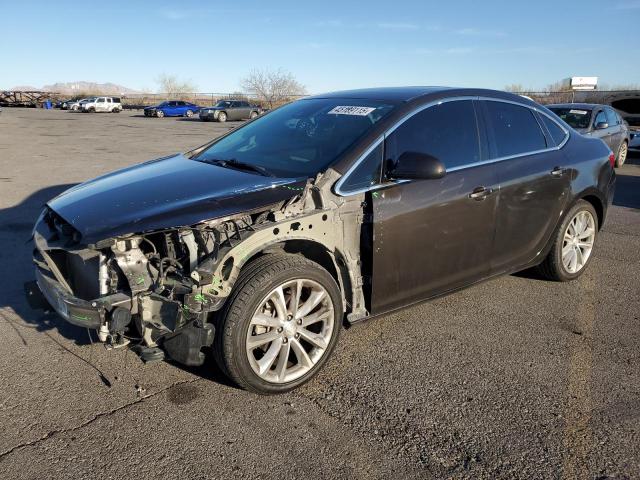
pixel 515 129
pixel 557 133
pixel 447 131
pixel 366 174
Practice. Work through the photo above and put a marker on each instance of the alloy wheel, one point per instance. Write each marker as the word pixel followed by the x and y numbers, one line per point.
pixel 290 331
pixel 622 154
pixel 578 241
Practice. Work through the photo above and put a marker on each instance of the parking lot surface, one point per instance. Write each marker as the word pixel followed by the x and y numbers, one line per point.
pixel 514 378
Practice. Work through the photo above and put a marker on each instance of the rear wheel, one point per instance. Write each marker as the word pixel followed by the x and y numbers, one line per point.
pixel 573 244
pixel 222 117
pixel 159 114
pixel 253 115
pixel 622 154
pixel 280 325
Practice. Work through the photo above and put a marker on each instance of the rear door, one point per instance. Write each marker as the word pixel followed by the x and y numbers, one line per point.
pixel 618 133
pixel 534 181
pixel 431 236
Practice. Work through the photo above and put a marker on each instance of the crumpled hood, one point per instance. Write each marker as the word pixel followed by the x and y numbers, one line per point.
pixel 165 193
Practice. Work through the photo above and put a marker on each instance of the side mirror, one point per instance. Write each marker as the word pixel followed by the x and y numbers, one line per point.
pixel 601 125
pixel 418 166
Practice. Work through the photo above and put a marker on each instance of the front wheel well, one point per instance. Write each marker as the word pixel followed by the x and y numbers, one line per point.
pixel 315 252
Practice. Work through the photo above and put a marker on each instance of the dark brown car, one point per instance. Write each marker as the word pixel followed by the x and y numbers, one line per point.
pixel 331 209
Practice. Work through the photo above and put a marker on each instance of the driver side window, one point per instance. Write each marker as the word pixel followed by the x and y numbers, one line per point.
pixel 446 131
pixel 600 118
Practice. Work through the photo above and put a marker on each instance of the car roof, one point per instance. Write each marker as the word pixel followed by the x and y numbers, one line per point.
pixel 398 94
pixel 410 95
pixel 582 106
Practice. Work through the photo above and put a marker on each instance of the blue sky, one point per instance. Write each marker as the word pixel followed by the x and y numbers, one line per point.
pixel 327 45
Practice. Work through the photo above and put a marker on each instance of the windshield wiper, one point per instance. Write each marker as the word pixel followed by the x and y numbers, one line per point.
pixel 238 165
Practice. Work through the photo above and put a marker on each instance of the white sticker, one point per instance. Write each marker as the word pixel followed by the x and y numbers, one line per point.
pixel 579 112
pixel 352 110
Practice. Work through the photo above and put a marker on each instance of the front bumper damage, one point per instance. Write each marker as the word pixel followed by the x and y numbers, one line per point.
pixel 163 288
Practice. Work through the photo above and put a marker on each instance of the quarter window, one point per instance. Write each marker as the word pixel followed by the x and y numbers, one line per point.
pixel 447 131
pixel 555 131
pixel 366 174
pixel 515 129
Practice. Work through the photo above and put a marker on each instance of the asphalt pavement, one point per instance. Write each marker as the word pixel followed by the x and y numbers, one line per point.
pixel 514 378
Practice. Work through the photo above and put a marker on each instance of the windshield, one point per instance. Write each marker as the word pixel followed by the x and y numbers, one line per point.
pixel 300 139
pixel 575 117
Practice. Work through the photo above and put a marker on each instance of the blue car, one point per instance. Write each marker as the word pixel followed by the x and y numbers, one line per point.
pixel 174 108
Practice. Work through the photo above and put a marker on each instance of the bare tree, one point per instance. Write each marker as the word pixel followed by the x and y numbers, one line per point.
pixel 514 88
pixel 272 86
pixel 173 86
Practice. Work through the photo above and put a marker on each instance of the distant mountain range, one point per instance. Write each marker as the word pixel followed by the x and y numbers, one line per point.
pixel 70 88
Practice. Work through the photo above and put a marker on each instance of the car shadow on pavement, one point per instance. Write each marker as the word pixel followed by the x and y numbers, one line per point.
pixel 16 223
pixel 627 191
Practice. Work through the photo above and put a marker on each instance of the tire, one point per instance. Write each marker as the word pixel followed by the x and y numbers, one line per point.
pixel 222 117
pixel 116 110
pixel 253 291
pixel 623 151
pixel 159 114
pixel 253 115
pixel 554 265
pixel 188 113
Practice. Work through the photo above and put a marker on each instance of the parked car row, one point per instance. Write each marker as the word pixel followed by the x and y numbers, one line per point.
pixel 93 104
pixel 221 112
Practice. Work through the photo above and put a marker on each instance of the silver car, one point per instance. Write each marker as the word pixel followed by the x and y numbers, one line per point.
pixel 600 121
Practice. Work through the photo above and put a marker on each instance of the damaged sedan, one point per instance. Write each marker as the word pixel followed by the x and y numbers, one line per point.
pixel 258 247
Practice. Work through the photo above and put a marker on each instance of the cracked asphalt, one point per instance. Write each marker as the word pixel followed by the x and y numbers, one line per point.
pixel 514 378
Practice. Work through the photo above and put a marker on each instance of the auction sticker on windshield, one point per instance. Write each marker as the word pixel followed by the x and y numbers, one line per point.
pixel 351 110
pixel 578 112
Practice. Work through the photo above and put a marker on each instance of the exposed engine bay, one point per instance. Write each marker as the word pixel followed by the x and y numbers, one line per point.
pixel 162 288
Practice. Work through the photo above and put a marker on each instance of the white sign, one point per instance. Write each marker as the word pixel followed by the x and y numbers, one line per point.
pixel 584 83
pixel 351 110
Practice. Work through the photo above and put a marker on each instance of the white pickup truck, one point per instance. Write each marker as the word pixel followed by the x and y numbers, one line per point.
pixel 102 104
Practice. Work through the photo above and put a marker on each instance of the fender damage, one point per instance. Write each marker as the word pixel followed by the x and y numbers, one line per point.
pixel 164 285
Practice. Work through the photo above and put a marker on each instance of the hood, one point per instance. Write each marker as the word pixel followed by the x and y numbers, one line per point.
pixel 165 193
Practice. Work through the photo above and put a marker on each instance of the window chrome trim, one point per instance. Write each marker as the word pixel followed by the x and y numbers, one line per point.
pixel 415 111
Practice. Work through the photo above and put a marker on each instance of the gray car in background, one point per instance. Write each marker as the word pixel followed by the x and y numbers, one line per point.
pixel 600 121
pixel 230 110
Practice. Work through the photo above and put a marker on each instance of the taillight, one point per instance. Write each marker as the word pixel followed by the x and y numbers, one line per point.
pixel 612 159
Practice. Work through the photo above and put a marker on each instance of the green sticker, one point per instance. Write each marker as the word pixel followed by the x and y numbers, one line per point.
pixel 198 297
pixel 80 317
pixel 140 280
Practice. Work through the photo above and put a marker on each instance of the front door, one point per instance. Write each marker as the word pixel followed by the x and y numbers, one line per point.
pixel 431 236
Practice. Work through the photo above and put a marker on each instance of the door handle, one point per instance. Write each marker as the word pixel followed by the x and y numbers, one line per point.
pixel 480 193
pixel 558 172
